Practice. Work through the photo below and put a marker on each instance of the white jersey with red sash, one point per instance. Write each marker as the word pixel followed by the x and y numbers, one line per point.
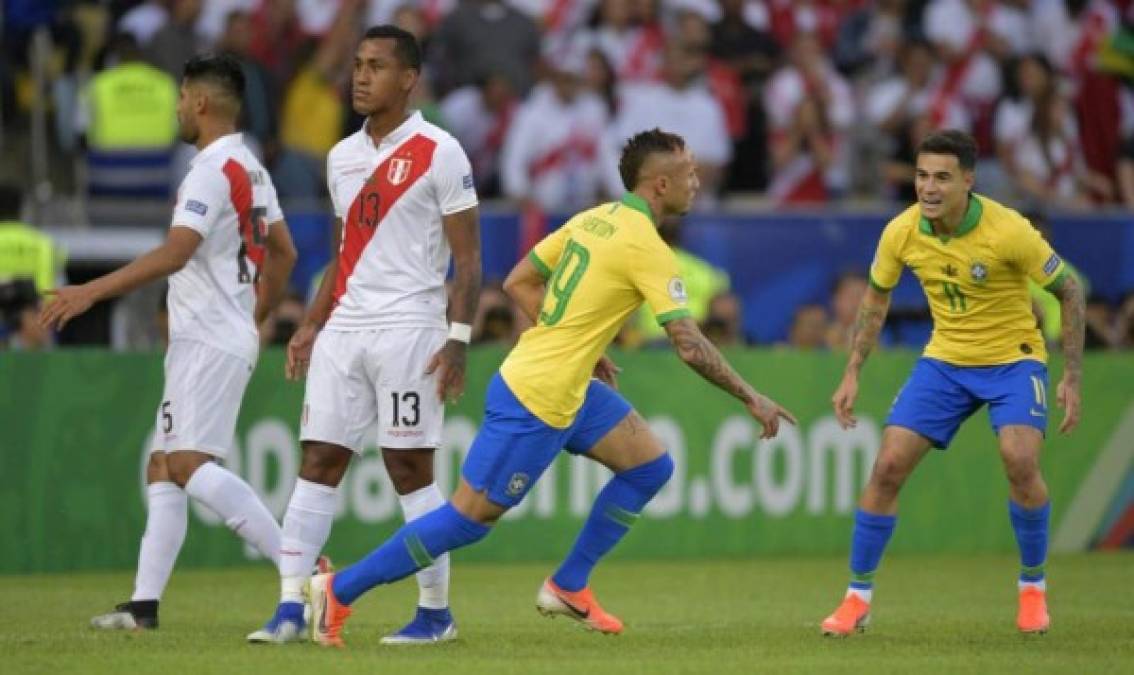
pixel 391 197
pixel 228 198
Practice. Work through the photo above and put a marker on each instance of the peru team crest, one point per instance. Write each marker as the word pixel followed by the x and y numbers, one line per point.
pixel 399 170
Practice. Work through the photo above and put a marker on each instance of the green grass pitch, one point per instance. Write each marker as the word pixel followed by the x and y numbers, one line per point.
pixel 949 614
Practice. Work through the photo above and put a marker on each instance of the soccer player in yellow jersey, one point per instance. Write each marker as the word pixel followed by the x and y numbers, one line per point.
pixel 973 258
pixel 578 286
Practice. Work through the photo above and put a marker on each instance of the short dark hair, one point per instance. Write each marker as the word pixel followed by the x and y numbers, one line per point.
pixel 640 147
pixel 221 70
pixel 951 142
pixel 405 44
pixel 11 199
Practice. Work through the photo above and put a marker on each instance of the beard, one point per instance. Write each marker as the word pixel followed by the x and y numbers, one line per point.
pixel 187 134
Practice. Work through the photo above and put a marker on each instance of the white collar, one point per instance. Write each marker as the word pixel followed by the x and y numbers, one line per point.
pixel 400 133
pixel 217 145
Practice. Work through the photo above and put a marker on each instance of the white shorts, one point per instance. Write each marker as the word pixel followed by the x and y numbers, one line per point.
pixel 201 399
pixel 360 378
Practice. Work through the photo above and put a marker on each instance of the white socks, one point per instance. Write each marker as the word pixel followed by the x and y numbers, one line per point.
pixel 433 581
pixel 865 593
pixel 234 500
pixel 306 527
pixel 1041 584
pixel 166 522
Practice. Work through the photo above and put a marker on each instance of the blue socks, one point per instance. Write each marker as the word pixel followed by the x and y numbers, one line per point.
pixel 1031 526
pixel 615 509
pixel 871 534
pixel 410 549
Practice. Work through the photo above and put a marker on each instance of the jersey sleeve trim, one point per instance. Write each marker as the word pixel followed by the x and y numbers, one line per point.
pixel 672 315
pixel 458 209
pixel 1053 285
pixel 877 286
pixel 539 264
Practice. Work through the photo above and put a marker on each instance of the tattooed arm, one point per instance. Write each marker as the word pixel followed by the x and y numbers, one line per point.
pixel 1073 312
pixel 871 317
pixel 702 356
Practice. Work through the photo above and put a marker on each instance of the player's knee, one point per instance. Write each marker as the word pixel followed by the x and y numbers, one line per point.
pixel 182 465
pixel 157 471
pixel 324 464
pixel 651 476
pixel 409 471
pixel 888 474
pixel 1021 470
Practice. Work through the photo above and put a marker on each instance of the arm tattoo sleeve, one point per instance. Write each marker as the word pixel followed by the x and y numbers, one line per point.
pixel 871 317
pixel 1073 311
pixel 702 356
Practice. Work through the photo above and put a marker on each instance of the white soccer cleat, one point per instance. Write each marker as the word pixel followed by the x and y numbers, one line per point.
pixel 286 625
pixel 122 618
pixel 429 626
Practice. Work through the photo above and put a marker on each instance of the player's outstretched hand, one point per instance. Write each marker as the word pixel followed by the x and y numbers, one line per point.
pixel 606 371
pixel 768 413
pixel 450 359
pixel 299 350
pixel 66 303
pixel 1069 399
pixel 843 400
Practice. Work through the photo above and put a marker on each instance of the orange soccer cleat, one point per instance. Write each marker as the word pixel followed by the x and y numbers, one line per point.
pixel 578 605
pixel 1033 617
pixel 327 614
pixel 852 615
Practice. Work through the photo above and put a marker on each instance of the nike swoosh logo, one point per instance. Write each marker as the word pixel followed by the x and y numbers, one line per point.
pixel 1037 413
pixel 574 610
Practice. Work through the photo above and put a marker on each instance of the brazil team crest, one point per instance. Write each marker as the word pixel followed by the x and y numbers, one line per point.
pixel 399 170
pixel 517 484
pixel 676 288
pixel 979 272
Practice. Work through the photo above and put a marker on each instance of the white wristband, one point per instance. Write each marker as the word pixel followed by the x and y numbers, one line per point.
pixel 461 332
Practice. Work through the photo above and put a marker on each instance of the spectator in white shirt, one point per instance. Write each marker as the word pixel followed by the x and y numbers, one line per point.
pixel 144 20
pixel 1048 164
pixel 810 109
pixel 479 116
pixel 679 104
pixel 551 154
pixel 1028 80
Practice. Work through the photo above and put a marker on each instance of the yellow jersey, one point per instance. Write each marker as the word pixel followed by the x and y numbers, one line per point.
pixel 976 281
pixel 601 265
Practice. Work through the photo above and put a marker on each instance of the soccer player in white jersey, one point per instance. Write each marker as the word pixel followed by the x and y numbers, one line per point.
pixel 228 255
pixel 374 343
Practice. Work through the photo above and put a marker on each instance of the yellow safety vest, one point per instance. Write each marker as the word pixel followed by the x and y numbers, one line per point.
pixel 702 282
pixel 133 106
pixel 27 253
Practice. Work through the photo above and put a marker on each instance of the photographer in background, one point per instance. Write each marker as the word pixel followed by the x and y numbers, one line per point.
pixel 30 263
pixel 19 308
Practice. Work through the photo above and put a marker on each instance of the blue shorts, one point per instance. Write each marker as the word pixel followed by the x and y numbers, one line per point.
pixel 938 397
pixel 514 447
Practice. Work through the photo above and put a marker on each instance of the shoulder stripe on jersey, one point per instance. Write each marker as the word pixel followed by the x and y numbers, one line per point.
pixel 393 177
pixel 251 237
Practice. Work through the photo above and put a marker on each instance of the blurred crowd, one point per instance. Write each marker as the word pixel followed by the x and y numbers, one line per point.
pixel 800 102
pixel 783 102
pixel 820 326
